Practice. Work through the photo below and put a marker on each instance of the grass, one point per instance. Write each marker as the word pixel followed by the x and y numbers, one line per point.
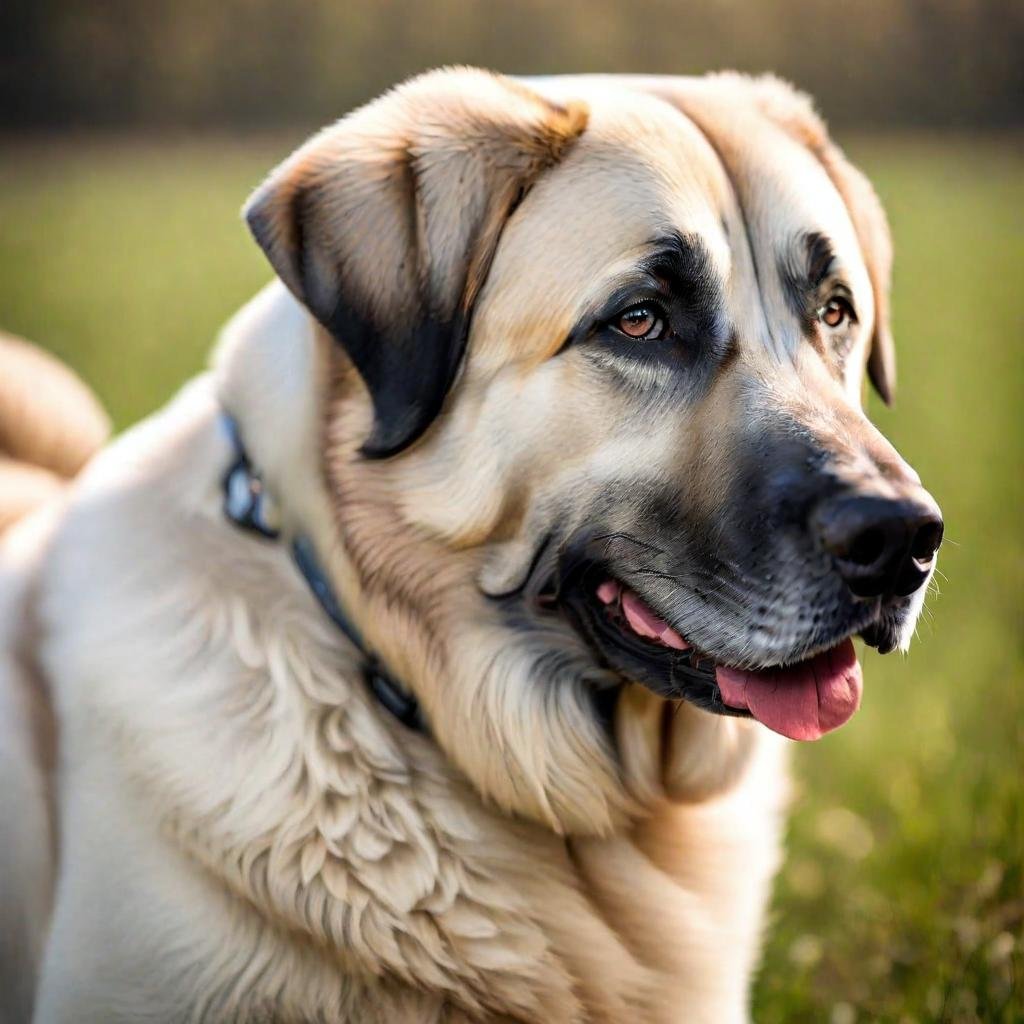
pixel 902 898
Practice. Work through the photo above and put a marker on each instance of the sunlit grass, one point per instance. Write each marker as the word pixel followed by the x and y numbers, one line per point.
pixel 902 898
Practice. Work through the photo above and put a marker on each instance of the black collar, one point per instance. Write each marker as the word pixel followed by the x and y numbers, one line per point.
pixel 248 506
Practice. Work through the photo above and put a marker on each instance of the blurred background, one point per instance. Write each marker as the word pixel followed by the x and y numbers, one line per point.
pixel 131 131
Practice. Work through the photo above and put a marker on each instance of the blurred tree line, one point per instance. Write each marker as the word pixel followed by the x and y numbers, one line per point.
pixel 261 63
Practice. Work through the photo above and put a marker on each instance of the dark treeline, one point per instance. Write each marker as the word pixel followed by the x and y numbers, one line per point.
pixel 261 63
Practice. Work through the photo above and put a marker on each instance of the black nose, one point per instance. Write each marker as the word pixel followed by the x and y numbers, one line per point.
pixel 881 546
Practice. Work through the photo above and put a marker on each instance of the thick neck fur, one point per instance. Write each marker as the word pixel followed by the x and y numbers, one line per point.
pixel 360 843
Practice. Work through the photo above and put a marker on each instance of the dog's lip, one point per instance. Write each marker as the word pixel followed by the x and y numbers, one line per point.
pixel 880 634
pixel 802 699
pixel 641 618
pixel 635 610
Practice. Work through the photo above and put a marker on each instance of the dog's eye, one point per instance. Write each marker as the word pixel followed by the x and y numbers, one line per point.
pixel 836 312
pixel 644 322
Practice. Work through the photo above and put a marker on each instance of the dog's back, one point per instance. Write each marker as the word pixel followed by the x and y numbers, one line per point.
pixel 50 425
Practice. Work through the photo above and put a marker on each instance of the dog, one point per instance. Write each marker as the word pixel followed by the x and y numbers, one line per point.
pixel 430 658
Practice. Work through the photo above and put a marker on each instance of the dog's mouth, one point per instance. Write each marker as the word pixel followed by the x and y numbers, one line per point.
pixel 802 700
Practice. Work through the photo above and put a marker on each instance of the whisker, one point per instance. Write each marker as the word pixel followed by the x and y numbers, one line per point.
pixel 631 539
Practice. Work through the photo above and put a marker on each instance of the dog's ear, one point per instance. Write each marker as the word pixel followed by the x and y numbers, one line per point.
pixel 384 226
pixel 872 227
pixel 795 112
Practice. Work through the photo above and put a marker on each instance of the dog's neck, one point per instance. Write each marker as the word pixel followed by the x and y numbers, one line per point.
pixel 271 350
pixel 384 824
pixel 271 372
pixel 250 506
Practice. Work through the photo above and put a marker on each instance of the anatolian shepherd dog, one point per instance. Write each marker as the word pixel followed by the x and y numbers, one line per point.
pixel 426 659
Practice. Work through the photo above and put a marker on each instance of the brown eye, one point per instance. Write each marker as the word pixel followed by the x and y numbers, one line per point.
pixel 835 313
pixel 644 322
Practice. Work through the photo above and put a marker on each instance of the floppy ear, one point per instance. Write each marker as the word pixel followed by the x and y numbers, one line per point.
pixel 872 227
pixel 384 226
pixel 795 112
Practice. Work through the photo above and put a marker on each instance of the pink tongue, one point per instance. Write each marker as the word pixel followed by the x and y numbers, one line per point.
pixel 645 623
pixel 803 701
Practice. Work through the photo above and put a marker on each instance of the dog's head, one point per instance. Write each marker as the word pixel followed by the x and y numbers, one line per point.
pixel 595 412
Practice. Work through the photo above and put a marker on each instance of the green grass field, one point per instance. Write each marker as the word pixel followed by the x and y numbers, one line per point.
pixel 902 898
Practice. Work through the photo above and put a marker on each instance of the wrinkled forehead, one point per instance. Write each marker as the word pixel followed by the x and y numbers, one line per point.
pixel 794 228
pixel 641 172
pixel 757 203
